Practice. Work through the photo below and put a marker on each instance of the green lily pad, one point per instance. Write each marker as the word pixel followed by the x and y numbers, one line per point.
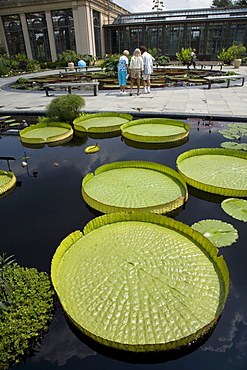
pixel 7 181
pixel 230 134
pixel 234 145
pixel 140 282
pixel 43 133
pixel 134 185
pixel 237 208
pixel 215 170
pixel 221 234
pixel 155 130
pixel 101 122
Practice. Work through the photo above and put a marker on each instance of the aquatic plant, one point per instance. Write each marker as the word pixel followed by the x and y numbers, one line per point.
pixel 140 282
pixel 25 320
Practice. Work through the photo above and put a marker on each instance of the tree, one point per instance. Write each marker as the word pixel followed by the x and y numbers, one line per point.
pixel 240 4
pixel 222 4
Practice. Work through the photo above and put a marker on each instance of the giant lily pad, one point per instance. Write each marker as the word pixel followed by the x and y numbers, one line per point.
pixel 43 133
pixel 237 208
pixel 140 282
pixel 221 234
pixel 101 122
pixel 215 170
pixel 155 130
pixel 134 185
pixel 7 182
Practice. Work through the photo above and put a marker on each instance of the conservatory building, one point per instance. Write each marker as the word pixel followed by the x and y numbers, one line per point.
pixel 42 29
pixel 206 30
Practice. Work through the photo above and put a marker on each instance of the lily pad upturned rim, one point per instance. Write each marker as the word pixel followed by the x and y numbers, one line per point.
pixel 52 139
pixel 10 184
pixel 155 138
pixel 160 208
pixel 195 237
pixel 207 187
pixel 78 122
pixel 226 233
pixel 234 206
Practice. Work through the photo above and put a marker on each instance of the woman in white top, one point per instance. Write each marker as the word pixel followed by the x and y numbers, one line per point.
pixel 136 68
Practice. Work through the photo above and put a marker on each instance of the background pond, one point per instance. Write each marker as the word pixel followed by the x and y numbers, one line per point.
pixel 47 205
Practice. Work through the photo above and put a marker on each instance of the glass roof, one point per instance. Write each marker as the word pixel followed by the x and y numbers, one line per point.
pixel 181 15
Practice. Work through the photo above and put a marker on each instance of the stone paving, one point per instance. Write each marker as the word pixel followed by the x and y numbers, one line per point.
pixel 219 101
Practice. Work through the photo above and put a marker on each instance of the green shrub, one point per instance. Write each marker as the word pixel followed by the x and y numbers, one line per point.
pixel 111 64
pixel 25 320
pixel 184 56
pixel 21 80
pixel 162 60
pixel 68 56
pixel 65 108
pixel 226 56
pixel 235 51
pixel 238 50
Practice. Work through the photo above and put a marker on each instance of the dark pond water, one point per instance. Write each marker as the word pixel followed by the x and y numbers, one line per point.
pixel 46 207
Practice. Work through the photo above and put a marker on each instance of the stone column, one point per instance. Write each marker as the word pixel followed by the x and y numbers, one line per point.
pixel 26 35
pixel 51 35
pixel 84 33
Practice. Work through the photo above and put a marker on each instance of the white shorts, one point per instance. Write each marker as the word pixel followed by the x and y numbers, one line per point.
pixel 146 77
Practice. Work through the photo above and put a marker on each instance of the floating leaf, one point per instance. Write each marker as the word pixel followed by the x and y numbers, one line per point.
pixel 101 122
pixel 92 148
pixel 7 181
pixel 155 130
pixel 23 157
pixel 230 134
pixel 140 282
pixel 233 145
pixel 46 133
pixel 221 234
pixel 134 185
pixel 215 170
pixel 237 208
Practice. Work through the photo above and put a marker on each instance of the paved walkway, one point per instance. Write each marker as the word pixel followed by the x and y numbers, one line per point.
pixel 219 101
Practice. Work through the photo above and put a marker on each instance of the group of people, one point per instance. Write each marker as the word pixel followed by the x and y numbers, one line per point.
pixel 141 65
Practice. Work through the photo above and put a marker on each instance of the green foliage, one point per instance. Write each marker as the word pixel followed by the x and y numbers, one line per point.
pixel 21 80
pixel 184 56
pixel 13 64
pixel 154 52
pixel 111 64
pixel 68 56
pixel 65 108
pixel 222 4
pixel 226 56
pixel 25 321
pixel 162 60
pixel 235 51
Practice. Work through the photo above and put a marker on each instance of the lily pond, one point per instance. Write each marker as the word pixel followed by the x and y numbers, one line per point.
pixel 47 205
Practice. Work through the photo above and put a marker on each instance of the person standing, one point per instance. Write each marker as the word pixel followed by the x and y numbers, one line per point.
pixel 148 68
pixel 136 68
pixel 192 59
pixel 123 68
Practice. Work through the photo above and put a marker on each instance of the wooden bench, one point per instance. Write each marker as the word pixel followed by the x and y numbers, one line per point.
pixel 75 68
pixel 69 85
pixel 210 64
pixel 211 79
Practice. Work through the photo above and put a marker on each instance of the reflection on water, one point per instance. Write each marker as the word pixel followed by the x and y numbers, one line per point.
pixel 43 210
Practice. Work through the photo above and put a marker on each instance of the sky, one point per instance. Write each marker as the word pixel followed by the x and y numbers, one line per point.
pixel 137 6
